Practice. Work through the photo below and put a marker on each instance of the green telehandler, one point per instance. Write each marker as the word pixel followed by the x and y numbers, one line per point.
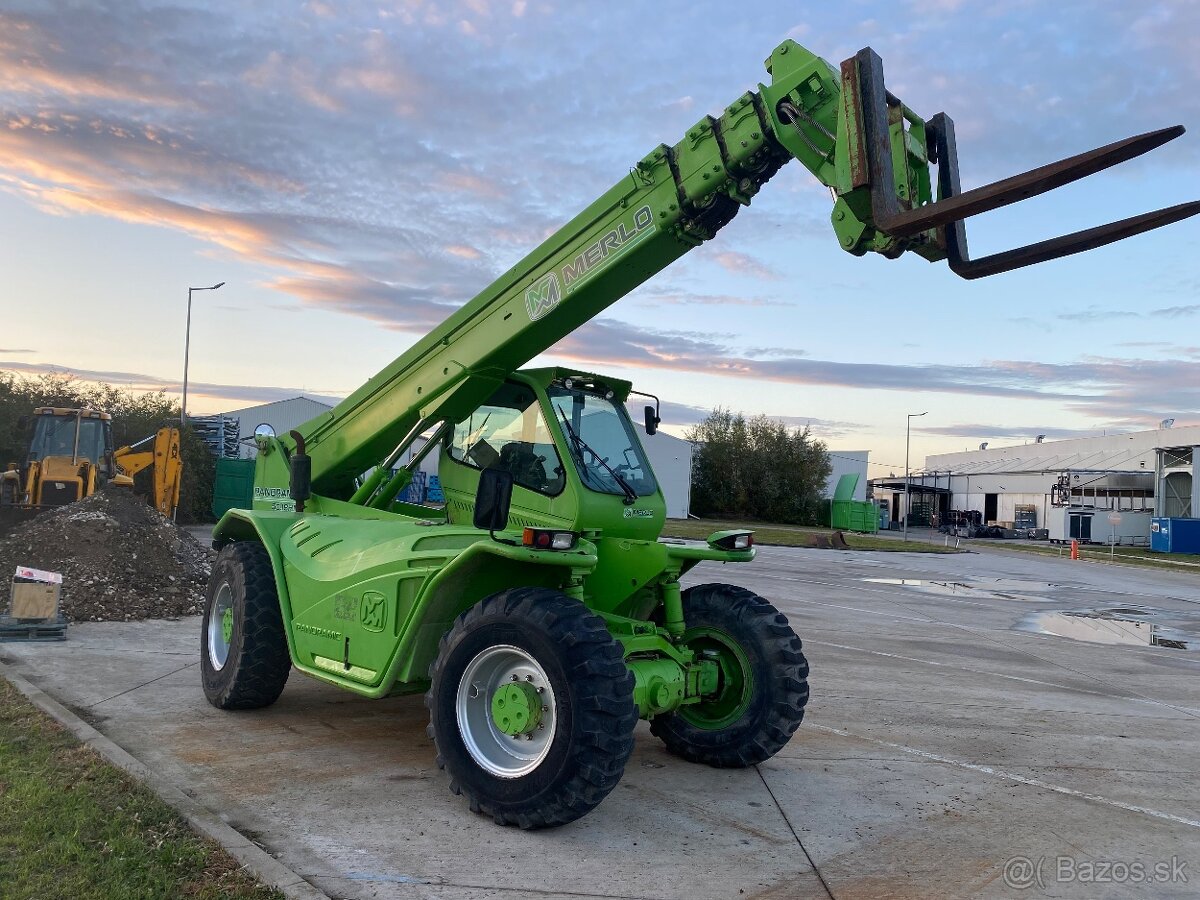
pixel 539 611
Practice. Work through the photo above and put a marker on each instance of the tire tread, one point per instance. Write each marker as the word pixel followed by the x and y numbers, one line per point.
pixel 261 670
pixel 786 681
pixel 603 703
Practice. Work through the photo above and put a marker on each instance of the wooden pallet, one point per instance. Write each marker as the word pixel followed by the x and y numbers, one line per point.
pixel 32 630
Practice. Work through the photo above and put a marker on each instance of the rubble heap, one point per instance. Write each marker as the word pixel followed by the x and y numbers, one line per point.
pixel 119 557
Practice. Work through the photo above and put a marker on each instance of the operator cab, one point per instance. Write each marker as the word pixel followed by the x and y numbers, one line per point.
pixel 83 435
pixel 73 452
pixel 568 442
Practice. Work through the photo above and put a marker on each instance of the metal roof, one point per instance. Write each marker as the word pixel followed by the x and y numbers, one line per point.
pixel 1127 452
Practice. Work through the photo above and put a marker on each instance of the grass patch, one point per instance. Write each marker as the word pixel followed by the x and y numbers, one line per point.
pixel 796 536
pixel 74 826
pixel 1129 556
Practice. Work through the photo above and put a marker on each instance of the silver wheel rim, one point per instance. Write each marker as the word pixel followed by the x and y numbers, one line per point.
pixel 218 647
pixel 500 754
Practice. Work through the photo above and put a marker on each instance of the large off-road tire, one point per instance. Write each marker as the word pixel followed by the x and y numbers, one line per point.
pixel 244 661
pixel 557 666
pixel 763 684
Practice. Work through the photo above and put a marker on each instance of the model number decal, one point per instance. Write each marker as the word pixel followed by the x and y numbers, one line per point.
pixel 631 513
pixel 319 632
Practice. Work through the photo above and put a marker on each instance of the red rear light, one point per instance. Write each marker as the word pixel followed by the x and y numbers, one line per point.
pixel 548 539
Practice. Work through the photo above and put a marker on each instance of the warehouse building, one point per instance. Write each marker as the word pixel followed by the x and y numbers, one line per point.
pixel 1042 484
pixel 282 416
pixel 848 462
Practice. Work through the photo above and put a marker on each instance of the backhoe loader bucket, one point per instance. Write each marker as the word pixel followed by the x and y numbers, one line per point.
pixel 878 136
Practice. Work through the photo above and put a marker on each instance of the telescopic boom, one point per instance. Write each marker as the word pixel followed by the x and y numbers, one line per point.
pixel 875 154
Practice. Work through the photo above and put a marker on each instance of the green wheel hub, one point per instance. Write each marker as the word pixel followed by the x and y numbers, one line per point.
pixel 516 708
pixel 735 685
pixel 227 625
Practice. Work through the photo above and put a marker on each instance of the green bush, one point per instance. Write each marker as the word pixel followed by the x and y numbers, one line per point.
pixel 757 468
pixel 135 416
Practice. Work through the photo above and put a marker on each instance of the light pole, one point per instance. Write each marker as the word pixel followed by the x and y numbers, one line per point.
pixel 907 436
pixel 187 343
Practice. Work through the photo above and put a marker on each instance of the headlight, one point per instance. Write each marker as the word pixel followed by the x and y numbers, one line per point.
pixel 732 540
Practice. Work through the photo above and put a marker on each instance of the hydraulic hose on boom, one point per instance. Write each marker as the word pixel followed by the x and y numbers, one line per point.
pixel 855 137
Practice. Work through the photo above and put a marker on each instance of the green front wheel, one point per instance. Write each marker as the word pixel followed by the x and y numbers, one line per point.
pixel 762 682
pixel 244 661
pixel 531 708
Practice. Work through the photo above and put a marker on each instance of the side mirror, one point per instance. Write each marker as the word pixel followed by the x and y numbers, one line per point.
pixel 492 499
pixel 652 420
pixel 262 435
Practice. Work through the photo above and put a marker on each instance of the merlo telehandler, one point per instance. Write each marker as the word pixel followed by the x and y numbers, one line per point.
pixel 539 611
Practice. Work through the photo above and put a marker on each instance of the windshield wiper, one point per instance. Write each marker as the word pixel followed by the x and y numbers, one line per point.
pixel 581 447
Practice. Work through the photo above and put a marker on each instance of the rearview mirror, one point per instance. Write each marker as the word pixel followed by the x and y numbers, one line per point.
pixel 652 420
pixel 492 499
pixel 262 435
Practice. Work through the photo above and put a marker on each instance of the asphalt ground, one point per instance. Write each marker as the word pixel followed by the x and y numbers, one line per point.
pixel 945 752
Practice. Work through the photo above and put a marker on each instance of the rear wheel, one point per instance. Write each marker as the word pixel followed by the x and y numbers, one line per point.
pixel 244 660
pixel 531 708
pixel 763 681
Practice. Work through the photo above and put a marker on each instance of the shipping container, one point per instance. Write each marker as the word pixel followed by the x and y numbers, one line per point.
pixel 1092 526
pixel 233 485
pixel 848 514
pixel 1175 535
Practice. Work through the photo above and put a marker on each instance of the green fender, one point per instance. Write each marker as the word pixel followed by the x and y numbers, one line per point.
pixel 481 569
pixel 266 528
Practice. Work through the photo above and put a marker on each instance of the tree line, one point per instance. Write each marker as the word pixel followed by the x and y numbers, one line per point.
pixel 757 468
pixel 135 416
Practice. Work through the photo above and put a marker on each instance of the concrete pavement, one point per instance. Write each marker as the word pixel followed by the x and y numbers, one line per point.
pixel 941 745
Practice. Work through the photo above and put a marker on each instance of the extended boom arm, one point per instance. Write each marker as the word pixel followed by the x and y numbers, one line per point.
pixel 873 152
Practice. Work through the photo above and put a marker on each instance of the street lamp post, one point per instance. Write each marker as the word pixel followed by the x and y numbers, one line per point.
pixel 907 436
pixel 187 343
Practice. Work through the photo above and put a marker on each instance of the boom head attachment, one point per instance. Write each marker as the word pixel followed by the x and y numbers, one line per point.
pixel 879 162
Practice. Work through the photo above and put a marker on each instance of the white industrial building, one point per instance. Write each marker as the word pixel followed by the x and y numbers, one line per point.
pixel 847 462
pixel 1035 485
pixel 281 415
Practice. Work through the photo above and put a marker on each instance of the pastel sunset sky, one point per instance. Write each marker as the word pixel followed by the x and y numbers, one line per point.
pixel 355 171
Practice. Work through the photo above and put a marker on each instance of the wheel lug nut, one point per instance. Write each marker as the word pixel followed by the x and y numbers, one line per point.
pixel 541 726
pixel 515 678
pixel 545 709
pixel 529 678
pixel 541 690
pixel 529 737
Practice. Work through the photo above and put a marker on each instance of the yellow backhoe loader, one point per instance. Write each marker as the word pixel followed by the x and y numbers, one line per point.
pixel 69 455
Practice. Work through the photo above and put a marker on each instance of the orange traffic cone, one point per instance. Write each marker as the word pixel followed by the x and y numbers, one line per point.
pixel 1074 549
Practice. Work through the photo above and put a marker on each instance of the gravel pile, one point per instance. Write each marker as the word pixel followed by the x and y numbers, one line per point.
pixel 119 557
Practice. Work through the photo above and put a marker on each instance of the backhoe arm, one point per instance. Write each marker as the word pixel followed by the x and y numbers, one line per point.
pixel 167 463
pixel 874 154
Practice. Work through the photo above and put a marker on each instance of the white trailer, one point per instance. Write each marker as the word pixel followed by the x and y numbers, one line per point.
pixel 1090 525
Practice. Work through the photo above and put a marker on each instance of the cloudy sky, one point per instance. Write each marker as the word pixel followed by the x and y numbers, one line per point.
pixel 354 171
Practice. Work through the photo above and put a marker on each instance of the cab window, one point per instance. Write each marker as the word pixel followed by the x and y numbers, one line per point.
pixel 508 432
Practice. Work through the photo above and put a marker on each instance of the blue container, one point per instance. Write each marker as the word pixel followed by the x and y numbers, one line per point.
pixel 434 492
pixel 415 492
pixel 1175 535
